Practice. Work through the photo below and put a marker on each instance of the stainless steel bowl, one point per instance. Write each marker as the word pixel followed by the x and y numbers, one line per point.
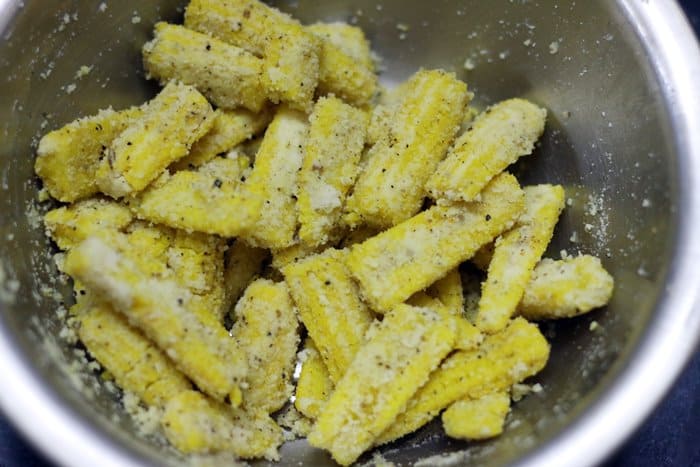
pixel 619 80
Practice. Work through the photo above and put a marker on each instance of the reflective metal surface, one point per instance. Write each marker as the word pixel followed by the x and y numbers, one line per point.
pixel 618 79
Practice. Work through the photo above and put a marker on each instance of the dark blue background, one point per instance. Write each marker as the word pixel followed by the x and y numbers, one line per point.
pixel 671 436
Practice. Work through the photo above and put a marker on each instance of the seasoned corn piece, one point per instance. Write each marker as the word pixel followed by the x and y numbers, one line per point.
pixel 391 187
pixel 505 358
pixel 314 386
pixel 201 348
pixel 266 330
pixel 171 122
pixel 346 69
pixel 273 185
pixel 291 54
pixel 481 418
pixel 68 158
pixel 195 424
pixel 516 254
pixel 229 76
pixel 566 288
pixel 330 307
pixel 204 200
pixel 412 255
pixel 70 225
pixel 282 258
pixel 331 164
pixel 231 128
pixel 389 368
pixel 448 291
pixel 498 137
pixel 243 264
pixel 136 364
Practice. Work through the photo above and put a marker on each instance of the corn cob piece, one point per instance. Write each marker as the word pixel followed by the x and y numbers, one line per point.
pixel 204 200
pixel 331 164
pixel 136 364
pixel 346 68
pixel 498 137
pixel 273 185
pixel 266 329
pixel 195 424
pixel 314 386
pixel 448 291
pixel 412 255
pixel 505 358
pixel 171 122
pixel 282 258
pixel 330 307
pixel 291 54
pixel 243 263
pixel 389 368
pixel 208 64
pixel 68 158
pixel 566 288
pixel 201 348
pixel 70 225
pixel 391 187
pixel 516 254
pixel 231 128
pixel 476 419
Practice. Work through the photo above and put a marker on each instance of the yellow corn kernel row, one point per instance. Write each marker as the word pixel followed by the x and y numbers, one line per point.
pixel 135 363
pixel 314 386
pixel 243 263
pixel 498 137
pixel 409 257
pixel 290 54
pixel 70 225
pixel 271 190
pixel 68 158
pixel 207 63
pixel 195 424
pixel 203 200
pixel 346 68
pixel 282 258
pixel 197 343
pixel 516 254
pixel 171 122
pixel 476 419
pixel 266 329
pixel 467 335
pixel 389 368
pixel 566 288
pixel 505 358
pixel 391 187
pixel 330 307
pixel 448 291
pixel 331 164
pixel 231 128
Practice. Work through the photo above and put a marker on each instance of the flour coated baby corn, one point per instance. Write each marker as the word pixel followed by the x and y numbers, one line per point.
pixel 477 419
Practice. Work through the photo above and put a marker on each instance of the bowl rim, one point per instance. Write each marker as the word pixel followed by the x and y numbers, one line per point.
pixel 665 348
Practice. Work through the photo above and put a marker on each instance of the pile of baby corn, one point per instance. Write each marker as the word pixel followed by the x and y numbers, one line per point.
pixel 272 184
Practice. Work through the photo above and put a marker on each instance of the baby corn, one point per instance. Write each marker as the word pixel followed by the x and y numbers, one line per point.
pixel 195 424
pixel 171 122
pixel 207 63
pixel 330 307
pixel 389 368
pixel 331 164
pixel 566 288
pixel 412 255
pixel 516 254
pixel 448 291
pixel 480 418
pixel 201 348
pixel 498 137
pixel 68 158
pixel 314 386
pixel 290 54
pixel 391 187
pixel 266 330
pixel 505 358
